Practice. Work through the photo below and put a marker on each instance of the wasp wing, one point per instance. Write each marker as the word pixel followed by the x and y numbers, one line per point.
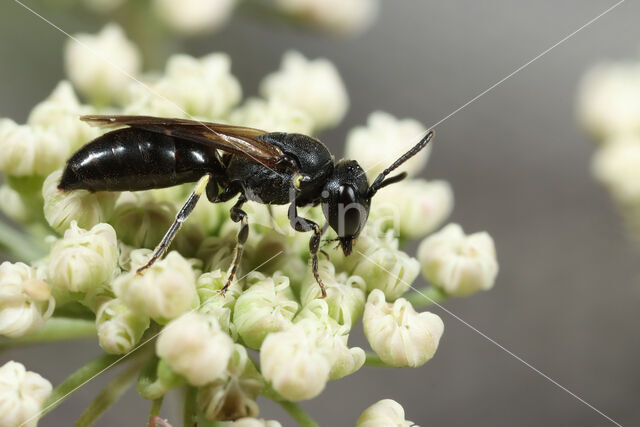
pixel 239 140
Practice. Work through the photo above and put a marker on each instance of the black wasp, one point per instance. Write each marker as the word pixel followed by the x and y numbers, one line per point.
pixel 266 167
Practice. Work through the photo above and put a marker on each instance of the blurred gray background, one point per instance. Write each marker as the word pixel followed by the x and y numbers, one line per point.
pixel 567 295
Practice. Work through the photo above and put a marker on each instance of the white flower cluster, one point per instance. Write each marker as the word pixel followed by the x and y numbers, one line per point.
pixel 336 16
pixel 609 109
pixel 195 17
pixel 273 306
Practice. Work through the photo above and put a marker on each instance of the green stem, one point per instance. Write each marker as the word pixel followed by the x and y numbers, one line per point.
pixel 20 244
pixel 156 379
pixel 74 310
pixel 110 394
pixel 155 407
pixel 189 415
pixel 426 296
pixel 77 379
pixel 298 414
pixel 56 329
pixel 373 359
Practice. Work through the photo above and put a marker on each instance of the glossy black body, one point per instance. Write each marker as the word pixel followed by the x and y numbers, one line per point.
pixel 134 159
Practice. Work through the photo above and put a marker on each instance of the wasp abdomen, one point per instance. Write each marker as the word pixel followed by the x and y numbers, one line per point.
pixel 133 159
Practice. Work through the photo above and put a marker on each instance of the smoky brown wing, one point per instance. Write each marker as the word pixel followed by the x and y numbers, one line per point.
pixel 238 140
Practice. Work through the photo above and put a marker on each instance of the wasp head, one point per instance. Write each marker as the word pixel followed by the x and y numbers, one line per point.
pixel 346 202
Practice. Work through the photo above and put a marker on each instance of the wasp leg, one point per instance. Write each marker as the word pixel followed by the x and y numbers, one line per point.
pixel 271 220
pixel 181 217
pixel 302 224
pixel 238 215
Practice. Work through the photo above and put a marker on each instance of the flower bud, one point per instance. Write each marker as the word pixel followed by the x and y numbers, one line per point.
pixel 213 303
pixel 218 252
pixel 209 286
pixel 313 86
pixel 293 363
pixel 25 300
pixel 59 114
pixel 458 264
pixel 22 395
pixel 271 251
pixel 345 294
pixel 140 221
pixel 119 328
pixel 163 291
pixel 336 16
pixel 233 395
pixel 386 137
pixel 100 66
pixel 399 335
pixel 412 208
pixel 331 338
pixel 30 151
pixel 200 87
pixel 384 413
pixel 272 114
pixel 267 306
pixel 82 206
pixel 195 347
pixel 192 17
pixel 382 265
pixel 13 206
pixel 84 259
pixel 609 100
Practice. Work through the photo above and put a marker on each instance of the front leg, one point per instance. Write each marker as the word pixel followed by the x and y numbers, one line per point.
pixel 302 224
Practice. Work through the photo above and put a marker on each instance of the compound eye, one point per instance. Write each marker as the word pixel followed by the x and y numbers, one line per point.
pixel 351 211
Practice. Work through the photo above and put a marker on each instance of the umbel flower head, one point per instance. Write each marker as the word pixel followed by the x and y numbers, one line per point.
pixel 172 318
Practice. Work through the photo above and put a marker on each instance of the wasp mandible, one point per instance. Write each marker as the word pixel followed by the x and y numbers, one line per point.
pixel 272 168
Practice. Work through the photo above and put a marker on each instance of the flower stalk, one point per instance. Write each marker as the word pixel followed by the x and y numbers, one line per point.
pixel 298 414
pixel 56 329
pixel 110 394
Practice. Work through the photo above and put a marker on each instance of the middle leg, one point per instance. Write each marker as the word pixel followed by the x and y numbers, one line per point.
pixel 238 215
pixel 302 224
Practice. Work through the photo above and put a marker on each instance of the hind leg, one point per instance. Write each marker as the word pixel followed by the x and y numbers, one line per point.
pixel 181 217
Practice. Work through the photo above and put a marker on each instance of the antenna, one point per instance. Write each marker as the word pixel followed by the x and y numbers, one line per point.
pixel 380 181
